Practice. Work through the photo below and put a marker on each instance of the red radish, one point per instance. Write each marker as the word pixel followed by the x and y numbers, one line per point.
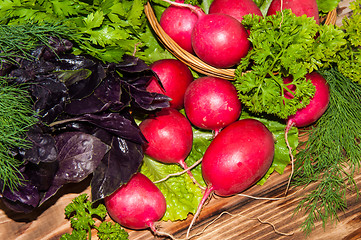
pixel 212 103
pixel 237 158
pixel 313 111
pixel 175 77
pixel 178 23
pixel 298 7
pixel 137 204
pixel 317 106
pixel 235 8
pixel 170 137
pixel 218 39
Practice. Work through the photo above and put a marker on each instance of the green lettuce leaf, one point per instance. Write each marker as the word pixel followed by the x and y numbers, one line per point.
pixel 326 6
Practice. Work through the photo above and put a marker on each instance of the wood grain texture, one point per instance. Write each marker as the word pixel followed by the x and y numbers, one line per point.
pixel 249 219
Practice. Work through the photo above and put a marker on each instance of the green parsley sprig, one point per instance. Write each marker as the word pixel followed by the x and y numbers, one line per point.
pixel 350 64
pixel 82 213
pixel 284 45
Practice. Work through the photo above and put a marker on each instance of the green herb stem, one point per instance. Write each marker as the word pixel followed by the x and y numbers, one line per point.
pixel 332 153
pixel 16 116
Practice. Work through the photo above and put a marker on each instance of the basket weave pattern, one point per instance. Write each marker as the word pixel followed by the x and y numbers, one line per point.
pixel 193 61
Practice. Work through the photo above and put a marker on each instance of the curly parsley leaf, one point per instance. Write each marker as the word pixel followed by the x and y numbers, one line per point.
pixel 82 212
pixel 350 62
pixel 110 231
pixel 284 45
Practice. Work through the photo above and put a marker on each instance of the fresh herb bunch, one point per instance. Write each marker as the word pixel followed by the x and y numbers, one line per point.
pixel 350 65
pixel 284 45
pixel 332 153
pixel 82 212
pixel 17 41
pixel 85 123
pixel 103 29
pixel 16 116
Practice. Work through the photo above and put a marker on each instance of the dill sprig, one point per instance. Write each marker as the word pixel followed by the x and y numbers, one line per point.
pixel 16 116
pixel 17 41
pixel 332 153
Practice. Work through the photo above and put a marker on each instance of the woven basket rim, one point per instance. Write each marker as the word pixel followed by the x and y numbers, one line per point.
pixel 192 60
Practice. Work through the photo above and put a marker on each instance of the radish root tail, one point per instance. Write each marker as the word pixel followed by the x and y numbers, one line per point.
pixel 159 233
pixel 290 124
pixel 206 194
pixel 186 170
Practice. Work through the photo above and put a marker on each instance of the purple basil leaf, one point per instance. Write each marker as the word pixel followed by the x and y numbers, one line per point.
pixel 132 64
pixel 82 82
pixel 42 174
pixel 78 155
pixel 24 199
pixel 119 164
pixel 107 95
pixel 148 101
pixel 121 125
pixel 42 149
pixel 90 104
pixel 50 95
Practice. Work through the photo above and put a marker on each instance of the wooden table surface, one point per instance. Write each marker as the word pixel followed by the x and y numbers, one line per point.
pixel 242 217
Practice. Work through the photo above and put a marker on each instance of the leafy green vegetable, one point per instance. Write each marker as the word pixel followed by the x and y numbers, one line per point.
pixel 17 41
pixel 81 213
pixel 104 29
pixel 350 65
pixel 284 46
pixel 182 194
pixel 263 5
pixel 332 153
pixel 326 6
pixel 16 116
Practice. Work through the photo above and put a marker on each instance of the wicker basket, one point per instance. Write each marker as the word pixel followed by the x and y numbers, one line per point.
pixel 193 61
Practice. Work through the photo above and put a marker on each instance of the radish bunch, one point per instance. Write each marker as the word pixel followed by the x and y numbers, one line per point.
pixel 241 151
pixel 216 38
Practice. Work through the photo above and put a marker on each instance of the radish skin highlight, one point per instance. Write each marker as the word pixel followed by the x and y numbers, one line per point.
pixel 298 7
pixel 237 158
pixel 235 8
